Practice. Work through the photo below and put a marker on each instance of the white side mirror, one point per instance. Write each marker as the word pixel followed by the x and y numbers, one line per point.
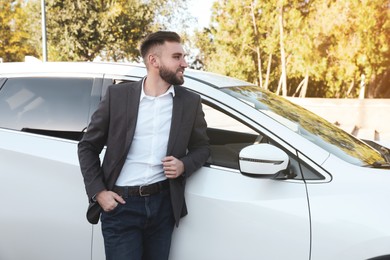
pixel 262 160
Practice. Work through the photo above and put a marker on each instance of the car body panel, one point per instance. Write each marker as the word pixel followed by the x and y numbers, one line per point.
pixel 234 209
pixel 43 199
pixel 331 209
pixel 346 217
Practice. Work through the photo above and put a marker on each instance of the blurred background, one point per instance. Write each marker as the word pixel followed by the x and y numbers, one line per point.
pixel 307 50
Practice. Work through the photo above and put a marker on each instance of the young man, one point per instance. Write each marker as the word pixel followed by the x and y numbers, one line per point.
pixel 155 134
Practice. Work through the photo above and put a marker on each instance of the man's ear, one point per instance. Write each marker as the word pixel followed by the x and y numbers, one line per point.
pixel 153 60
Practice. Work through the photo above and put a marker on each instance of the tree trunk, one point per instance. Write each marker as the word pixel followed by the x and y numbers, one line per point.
pixel 372 85
pixel 351 87
pixel 305 85
pixel 268 71
pixel 299 88
pixel 362 92
pixel 279 86
pixel 259 66
pixel 282 54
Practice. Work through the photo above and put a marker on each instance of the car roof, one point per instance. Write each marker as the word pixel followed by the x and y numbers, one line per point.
pixel 122 69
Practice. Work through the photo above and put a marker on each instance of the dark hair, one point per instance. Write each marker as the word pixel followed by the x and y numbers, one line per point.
pixel 158 38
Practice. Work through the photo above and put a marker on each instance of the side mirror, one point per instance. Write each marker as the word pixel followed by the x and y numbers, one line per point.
pixel 262 160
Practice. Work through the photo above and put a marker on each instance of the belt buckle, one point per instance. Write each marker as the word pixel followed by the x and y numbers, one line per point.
pixel 141 192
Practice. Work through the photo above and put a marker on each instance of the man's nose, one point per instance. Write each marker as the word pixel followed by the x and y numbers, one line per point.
pixel 184 63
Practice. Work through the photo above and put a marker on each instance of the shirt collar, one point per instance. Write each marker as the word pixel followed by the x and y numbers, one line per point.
pixel 171 90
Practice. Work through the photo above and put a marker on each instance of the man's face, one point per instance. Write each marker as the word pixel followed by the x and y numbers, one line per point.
pixel 172 63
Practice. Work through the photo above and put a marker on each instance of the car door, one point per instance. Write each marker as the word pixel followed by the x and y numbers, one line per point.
pixel 232 216
pixel 43 196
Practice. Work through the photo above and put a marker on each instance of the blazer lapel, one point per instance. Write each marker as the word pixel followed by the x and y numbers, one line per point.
pixel 177 110
pixel 132 106
pixel 133 92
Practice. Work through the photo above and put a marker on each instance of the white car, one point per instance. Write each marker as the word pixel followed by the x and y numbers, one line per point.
pixel 281 182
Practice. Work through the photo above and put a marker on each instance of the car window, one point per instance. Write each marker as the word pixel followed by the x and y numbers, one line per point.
pixel 308 125
pixel 218 119
pixel 51 106
pixel 227 137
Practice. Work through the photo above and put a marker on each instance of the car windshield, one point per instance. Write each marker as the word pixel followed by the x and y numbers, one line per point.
pixel 309 125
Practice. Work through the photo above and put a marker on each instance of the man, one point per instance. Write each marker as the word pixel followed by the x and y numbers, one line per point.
pixel 155 133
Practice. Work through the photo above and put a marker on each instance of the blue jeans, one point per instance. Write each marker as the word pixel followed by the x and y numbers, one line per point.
pixel 140 229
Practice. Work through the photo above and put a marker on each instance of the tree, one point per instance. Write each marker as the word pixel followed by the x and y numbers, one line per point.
pixel 325 48
pixel 81 30
pixel 283 78
pixel 231 47
pixel 247 37
pixel 100 28
pixel 14 43
pixel 356 37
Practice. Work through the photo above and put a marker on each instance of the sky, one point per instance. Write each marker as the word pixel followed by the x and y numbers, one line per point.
pixel 201 9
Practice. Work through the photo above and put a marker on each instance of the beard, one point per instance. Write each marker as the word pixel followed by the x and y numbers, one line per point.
pixel 170 76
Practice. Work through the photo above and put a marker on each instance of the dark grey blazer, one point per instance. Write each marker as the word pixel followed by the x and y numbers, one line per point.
pixel 113 124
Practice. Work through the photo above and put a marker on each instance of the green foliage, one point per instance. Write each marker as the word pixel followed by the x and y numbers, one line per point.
pixel 334 46
pixel 338 45
pixel 14 39
pixel 81 30
pixel 230 37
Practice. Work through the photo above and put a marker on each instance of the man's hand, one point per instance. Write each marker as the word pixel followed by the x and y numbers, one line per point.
pixel 173 167
pixel 109 200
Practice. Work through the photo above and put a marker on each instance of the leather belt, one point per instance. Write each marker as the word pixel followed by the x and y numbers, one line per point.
pixel 143 190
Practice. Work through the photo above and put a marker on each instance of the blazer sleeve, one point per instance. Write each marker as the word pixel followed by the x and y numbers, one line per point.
pixel 198 146
pixel 91 145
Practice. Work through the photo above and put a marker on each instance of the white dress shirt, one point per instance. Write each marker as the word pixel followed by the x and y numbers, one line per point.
pixel 143 164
